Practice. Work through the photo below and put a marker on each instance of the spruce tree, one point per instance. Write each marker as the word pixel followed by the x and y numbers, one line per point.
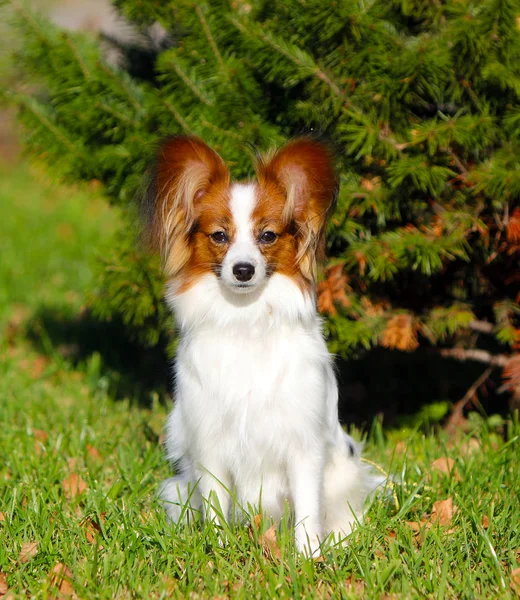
pixel 422 100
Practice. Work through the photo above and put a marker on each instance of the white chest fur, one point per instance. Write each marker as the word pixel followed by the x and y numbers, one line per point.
pixel 249 385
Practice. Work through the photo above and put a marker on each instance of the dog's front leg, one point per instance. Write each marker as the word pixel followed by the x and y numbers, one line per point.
pixel 306 482
pixel 214 487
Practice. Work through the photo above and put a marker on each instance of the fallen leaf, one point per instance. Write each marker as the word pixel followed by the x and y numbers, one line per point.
pixel 92 530
pixel 443 511
pixel 267 540
pixel 269 543
pixel 4 588
pixel 144 516
pixel 469 447
pixel 40 435
pixel 38 366
pixel 73 486
pixel 60 578
pixel 401 447
pixel 515 581
pixel 2 516
pixel 415 526
pixel 171 585
pixel 485 521
pixel 443 464
pixel 442 514
pixel 446 466
pixel 28 551
pixel 355 586
pixel 257 521
pixel 38 448
pixel 93 452
pixel 19 314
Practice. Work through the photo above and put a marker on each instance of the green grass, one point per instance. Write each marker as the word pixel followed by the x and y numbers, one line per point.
pixel 60 417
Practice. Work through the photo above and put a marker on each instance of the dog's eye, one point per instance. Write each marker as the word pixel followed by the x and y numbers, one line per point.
pixel 220 237
pixel 268 237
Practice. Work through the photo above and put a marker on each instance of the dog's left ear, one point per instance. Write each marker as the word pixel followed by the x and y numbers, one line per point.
pixel 304 171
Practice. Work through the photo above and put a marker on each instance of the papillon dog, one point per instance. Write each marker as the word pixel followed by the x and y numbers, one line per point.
pixel 255 420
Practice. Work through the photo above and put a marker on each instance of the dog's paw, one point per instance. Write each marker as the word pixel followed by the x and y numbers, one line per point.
pixel 180 499
pixel 309 546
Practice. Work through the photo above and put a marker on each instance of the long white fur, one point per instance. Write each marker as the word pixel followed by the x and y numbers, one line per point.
pixel 255 421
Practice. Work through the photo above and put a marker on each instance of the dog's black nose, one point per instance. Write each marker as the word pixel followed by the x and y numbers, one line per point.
pixel 243 271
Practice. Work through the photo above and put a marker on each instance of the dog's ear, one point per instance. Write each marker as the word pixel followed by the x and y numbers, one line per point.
pixel 304 170
pixel 184 171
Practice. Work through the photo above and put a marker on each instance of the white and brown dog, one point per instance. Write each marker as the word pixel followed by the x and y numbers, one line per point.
pixel 255 421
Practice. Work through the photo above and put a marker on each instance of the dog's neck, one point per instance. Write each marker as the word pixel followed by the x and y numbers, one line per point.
pixel 208 303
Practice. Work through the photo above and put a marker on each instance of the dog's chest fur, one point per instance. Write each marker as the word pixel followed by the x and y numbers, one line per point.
pixel 253 385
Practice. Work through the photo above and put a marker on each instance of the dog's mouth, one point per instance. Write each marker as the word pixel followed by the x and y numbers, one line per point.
pixel 243 288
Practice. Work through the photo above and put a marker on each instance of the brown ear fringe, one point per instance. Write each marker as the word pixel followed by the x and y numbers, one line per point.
pixel 304 170
pixel 184 169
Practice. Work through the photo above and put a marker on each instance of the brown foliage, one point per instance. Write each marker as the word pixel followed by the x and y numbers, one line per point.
pixel 333 290
pixel 513 227
pixel 511 375
pixel 400 333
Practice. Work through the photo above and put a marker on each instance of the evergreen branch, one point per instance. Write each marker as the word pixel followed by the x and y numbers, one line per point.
pixel 321 74
pixel 29 18
pixel 308 64
pixel 457 161
pixel 36 28
pixel 482 326
pixel 502 223
pixel 121 83
pixel 46 123
pixel 216 129
pixel 394 143
pixel 77 55
pixel 211 39
pixel 483 356
pixel 204 99
pixel 117 114
pixel 178 117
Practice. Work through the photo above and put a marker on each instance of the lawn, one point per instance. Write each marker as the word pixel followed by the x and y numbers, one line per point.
pixel 81 457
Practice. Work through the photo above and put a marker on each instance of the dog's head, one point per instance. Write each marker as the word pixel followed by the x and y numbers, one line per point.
pixel 243 233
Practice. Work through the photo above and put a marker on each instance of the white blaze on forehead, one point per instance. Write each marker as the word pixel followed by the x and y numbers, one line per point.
pixel 242 204
pixel 243 248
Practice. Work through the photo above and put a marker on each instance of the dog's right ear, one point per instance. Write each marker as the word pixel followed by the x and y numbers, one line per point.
pixel 185 169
